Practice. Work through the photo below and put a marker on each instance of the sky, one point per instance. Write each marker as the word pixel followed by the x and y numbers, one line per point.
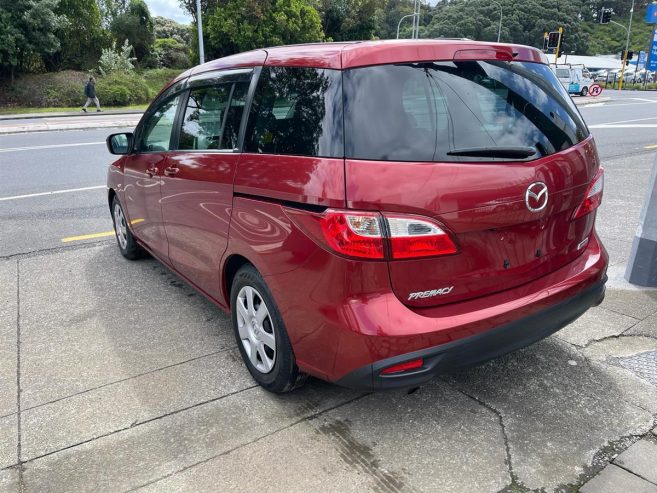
pixel 170 9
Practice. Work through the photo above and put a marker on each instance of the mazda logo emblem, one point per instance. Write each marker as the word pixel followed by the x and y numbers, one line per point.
pixel 536 196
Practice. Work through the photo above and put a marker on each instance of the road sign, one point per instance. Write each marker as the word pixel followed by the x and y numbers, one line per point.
pixel 595 90
pixel 652 58
pixel 651 13
pixel 641 62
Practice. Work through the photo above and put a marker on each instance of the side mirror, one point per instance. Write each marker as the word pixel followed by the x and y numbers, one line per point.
pixel 119 143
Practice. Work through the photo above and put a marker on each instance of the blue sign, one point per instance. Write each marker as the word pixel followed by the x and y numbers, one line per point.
pixel 652 58
pixel 642 60
pixel 651 13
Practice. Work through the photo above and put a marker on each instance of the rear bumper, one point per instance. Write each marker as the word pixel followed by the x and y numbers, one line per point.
pixel 476 349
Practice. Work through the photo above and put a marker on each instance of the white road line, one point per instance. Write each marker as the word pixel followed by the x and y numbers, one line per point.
pixel 54 192
pixel 607 105
pixel 52 146
pixel 634 125
pixel 629 121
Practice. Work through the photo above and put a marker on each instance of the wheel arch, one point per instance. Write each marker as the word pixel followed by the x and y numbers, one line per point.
pixel 232 264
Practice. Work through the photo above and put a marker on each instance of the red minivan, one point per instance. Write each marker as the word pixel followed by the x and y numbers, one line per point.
pixel 370 213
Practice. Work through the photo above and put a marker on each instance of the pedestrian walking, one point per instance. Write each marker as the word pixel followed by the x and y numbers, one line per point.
pixel 90 92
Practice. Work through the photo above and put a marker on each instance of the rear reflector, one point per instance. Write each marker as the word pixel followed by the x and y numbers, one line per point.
pixel 413 364
pixel 593 197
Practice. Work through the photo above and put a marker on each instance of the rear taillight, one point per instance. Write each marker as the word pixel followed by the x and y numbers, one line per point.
pixel 353 235
pixel 412 237
pixel 593 197
pixel 369 235
pixel 410 365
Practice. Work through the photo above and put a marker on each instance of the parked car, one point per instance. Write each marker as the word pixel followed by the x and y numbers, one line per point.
pixel 576 79
pixel 370 213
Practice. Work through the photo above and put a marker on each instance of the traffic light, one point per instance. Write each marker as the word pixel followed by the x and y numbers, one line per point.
pixel 553 40
pixel 605 15
pixel 629 54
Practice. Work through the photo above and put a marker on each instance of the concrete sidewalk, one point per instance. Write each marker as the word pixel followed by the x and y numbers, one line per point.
pixel 115 375
pixel 69 121
pixel 63 114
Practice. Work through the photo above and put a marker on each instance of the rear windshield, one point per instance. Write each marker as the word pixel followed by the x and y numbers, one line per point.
pixel 430 111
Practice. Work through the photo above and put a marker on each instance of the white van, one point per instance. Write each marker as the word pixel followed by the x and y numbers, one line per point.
pixel 576 79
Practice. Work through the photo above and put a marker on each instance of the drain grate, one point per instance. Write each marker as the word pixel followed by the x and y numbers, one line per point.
pixel 643 364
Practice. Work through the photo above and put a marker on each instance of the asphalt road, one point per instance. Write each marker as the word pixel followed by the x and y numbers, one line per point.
pixel 74 162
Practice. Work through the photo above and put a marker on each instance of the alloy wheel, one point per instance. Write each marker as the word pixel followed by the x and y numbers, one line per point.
pixel 256 329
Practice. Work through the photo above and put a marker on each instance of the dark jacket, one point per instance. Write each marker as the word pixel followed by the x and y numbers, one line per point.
pixel 90 90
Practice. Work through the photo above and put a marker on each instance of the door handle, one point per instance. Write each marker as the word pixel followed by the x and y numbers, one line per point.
pixel 152 171
pixel 171 171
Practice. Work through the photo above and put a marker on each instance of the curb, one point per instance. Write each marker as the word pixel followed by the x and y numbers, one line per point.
pixel 584 100
pixel 45 127
pixel 30 116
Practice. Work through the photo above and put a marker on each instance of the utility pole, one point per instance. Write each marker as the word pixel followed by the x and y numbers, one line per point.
pixel 627 45
pixel 199 25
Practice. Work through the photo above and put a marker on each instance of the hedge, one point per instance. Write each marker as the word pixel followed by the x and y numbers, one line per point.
pixel 66 88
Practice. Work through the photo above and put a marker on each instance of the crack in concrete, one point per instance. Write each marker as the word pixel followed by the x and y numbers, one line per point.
pixel 21 485
pixel 132 377
pixel 226 452
pixel 140 423
pixel 48 251
pixel 516 484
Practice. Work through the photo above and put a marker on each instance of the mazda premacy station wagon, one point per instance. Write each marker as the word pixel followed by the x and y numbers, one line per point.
pixel 370 213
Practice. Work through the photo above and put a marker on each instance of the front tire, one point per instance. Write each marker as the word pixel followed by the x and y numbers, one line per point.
pixel 260 333
pixel 127 244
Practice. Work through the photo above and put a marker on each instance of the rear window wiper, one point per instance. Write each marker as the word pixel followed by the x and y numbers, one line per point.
pixel 502 152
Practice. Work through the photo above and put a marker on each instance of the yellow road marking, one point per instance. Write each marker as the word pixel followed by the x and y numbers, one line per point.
pixel 96 235
pixel 653 146
pixel 88 237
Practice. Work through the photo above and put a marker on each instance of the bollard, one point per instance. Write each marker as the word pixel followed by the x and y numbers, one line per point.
pixel 642 265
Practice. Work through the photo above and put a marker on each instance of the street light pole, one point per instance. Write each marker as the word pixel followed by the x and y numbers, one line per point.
pixel 199 25
pixel 499 27
pixel 400 21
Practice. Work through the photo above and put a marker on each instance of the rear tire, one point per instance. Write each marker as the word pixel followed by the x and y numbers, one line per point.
pixel 127 244
pixel 260 333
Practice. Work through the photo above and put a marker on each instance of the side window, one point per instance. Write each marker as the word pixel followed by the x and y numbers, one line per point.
pixel 204 116
pixel 211 121
pixel 156 132
pixel 297 111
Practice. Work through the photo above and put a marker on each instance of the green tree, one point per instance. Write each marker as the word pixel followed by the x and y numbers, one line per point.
pixel 388 15
pixel 347 20
pixel 81 39
pixel 241 25
pixel 523 22
pixel 164 28
pixel 135 25
pixel 28 32
pixel 172 53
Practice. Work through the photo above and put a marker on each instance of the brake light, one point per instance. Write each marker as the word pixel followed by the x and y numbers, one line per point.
pixel 354 235
pixel 371 235
pixel 413 364
pixel 412 237
pixel 593 197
